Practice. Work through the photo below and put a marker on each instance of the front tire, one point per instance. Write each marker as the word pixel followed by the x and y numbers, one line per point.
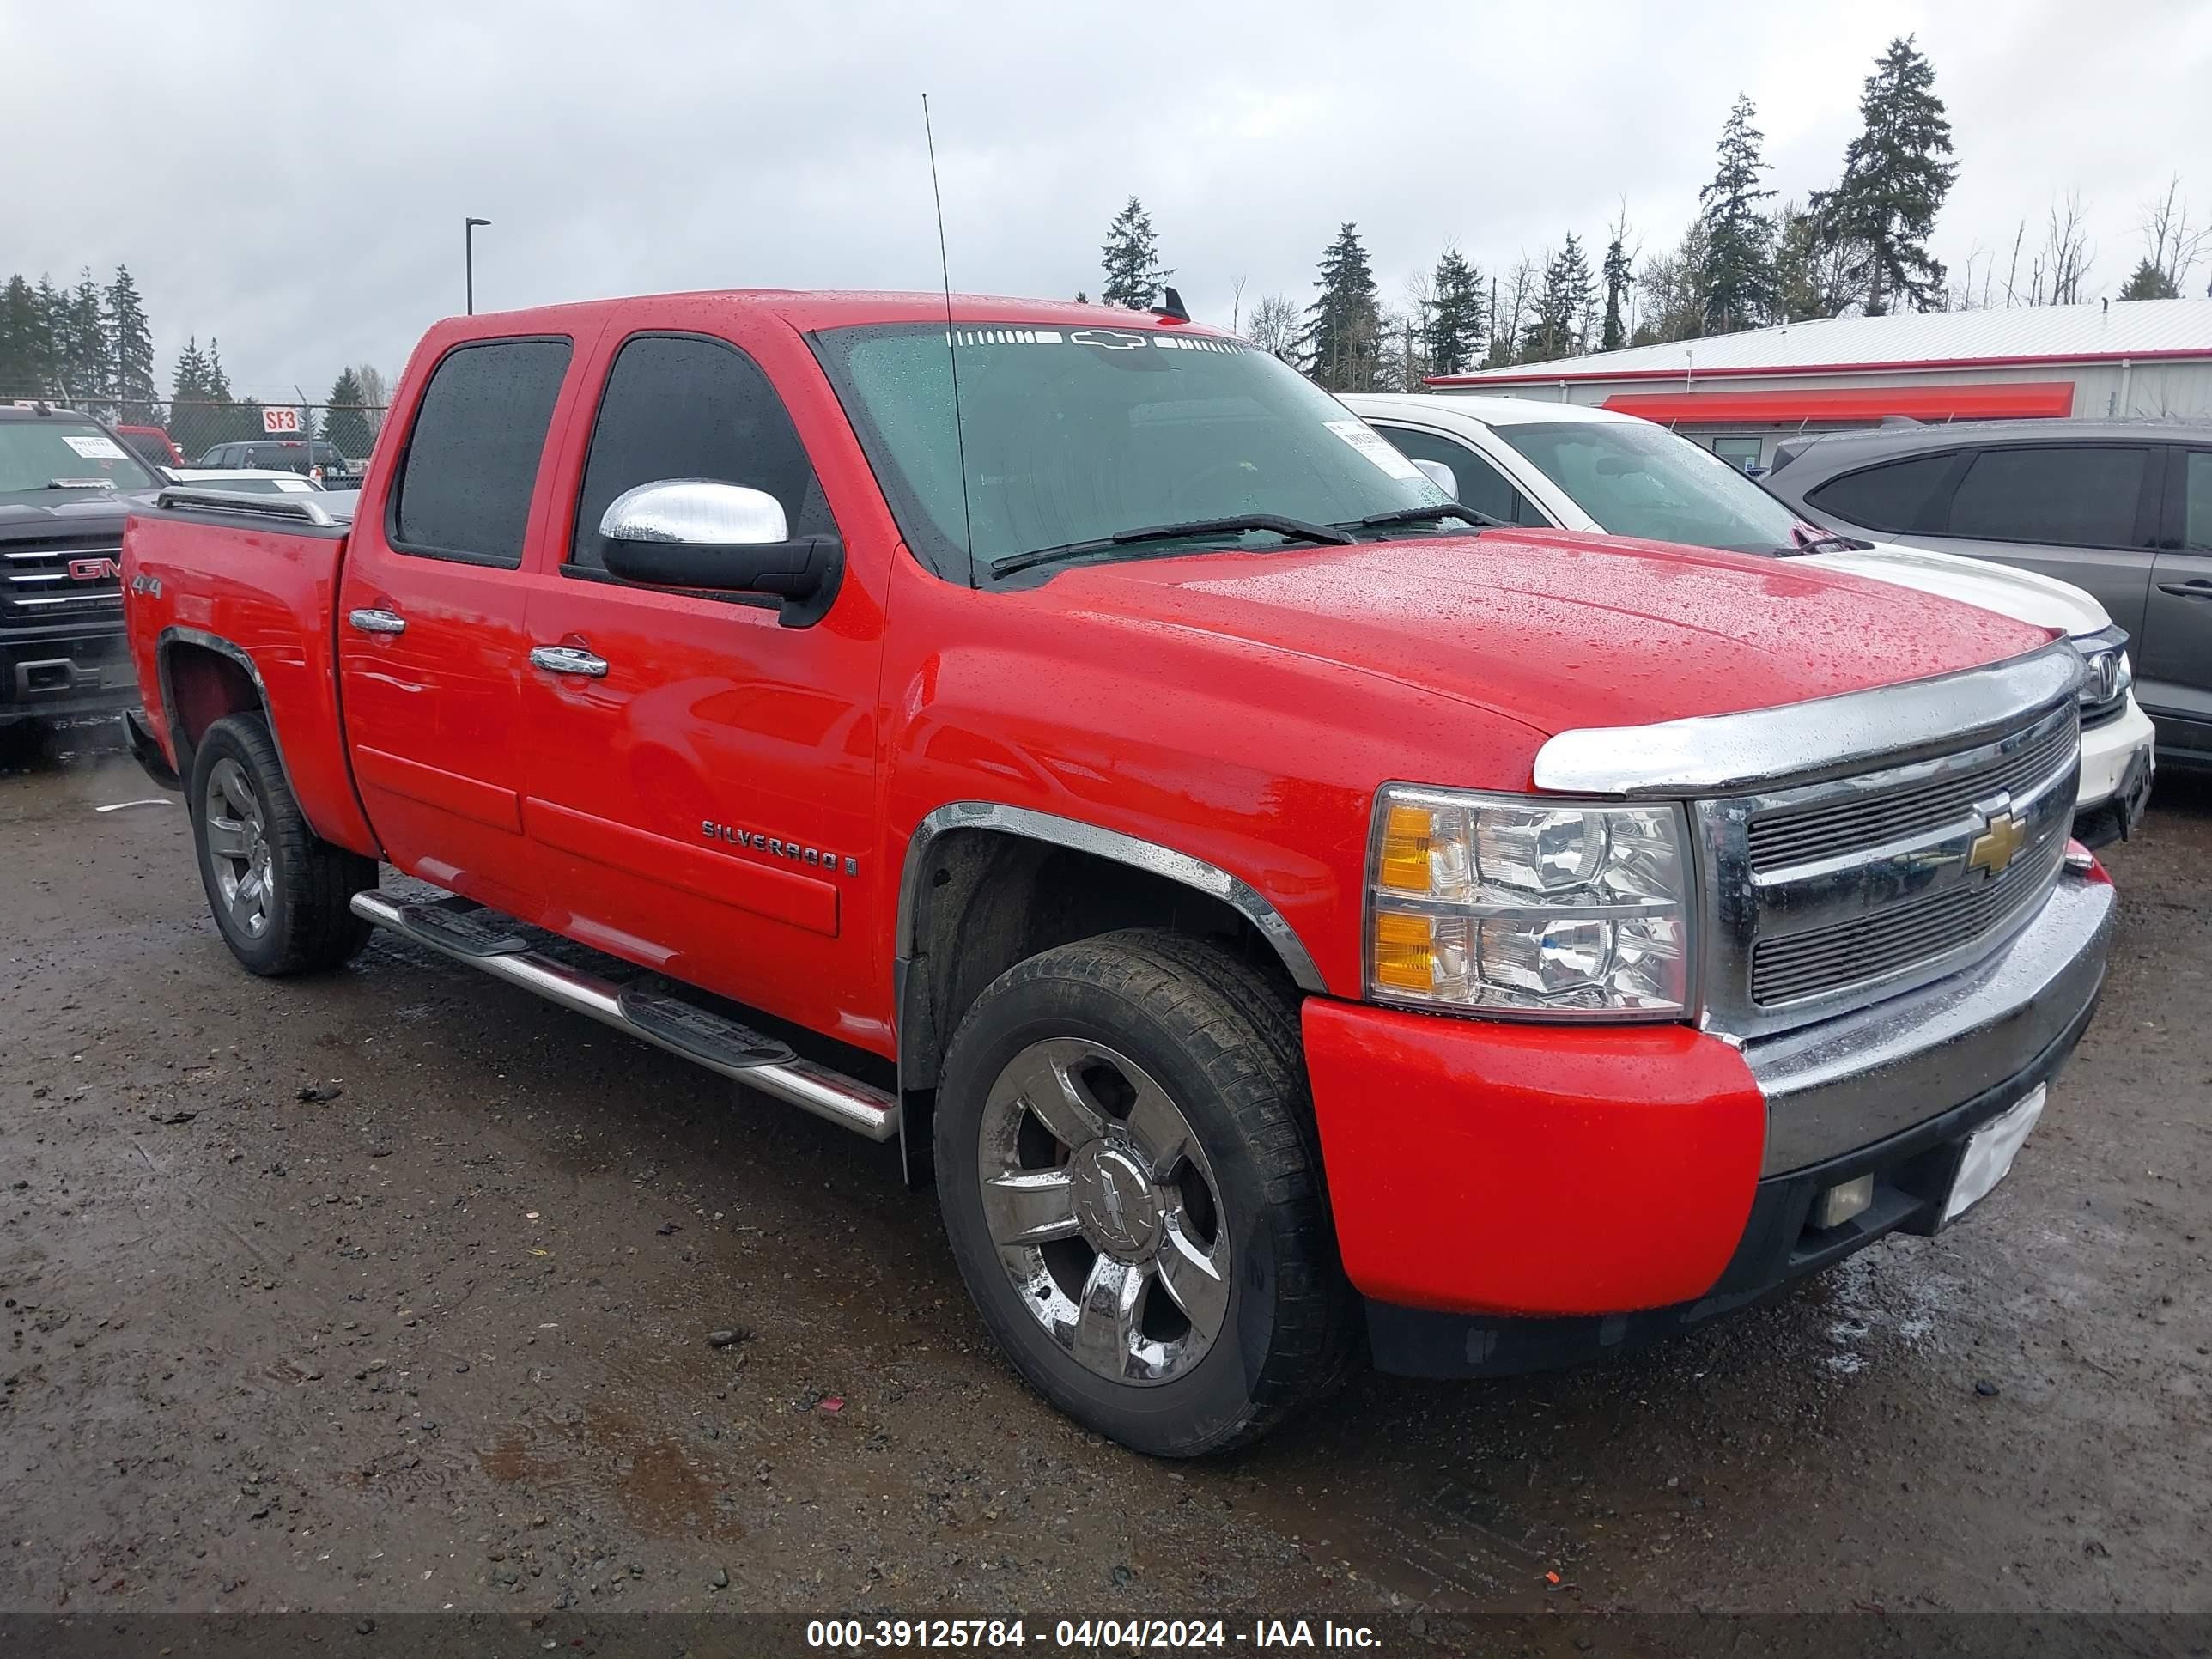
pixel 1132 1183
pixel 281 894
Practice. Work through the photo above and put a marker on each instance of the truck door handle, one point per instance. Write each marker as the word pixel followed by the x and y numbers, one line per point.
pixel 378 622
pixel 568 660
pixel 2196 588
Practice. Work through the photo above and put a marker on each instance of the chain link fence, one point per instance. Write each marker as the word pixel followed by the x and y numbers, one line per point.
pixel 293 437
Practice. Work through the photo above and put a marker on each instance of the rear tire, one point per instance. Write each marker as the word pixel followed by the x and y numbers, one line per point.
pixel 1132 1183
pixel 281 894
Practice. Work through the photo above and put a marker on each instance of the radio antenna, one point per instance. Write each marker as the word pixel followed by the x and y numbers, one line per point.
pixel 952 346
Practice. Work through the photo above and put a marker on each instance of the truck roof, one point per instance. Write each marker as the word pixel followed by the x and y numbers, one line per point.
pixel 817 308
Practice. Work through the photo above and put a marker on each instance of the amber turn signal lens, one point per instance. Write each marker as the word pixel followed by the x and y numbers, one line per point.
pixel 1405 951
pixel 1407 833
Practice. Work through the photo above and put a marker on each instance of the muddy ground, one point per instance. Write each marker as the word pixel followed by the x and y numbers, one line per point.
pixel 391 1291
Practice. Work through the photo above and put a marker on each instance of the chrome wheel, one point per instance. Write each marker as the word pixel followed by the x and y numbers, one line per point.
pixel 1104 1211
pixel 238 847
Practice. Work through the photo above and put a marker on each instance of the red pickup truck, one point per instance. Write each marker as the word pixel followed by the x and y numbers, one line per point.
pixel 1287 919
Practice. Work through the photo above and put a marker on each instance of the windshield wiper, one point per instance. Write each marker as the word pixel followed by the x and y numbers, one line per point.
pixel 1440 510
pixel 79 484
pixel 1297 530
pixel 1804 541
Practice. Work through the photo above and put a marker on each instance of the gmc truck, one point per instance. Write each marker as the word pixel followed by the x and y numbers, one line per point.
pixel 1288 922
pixel 66 486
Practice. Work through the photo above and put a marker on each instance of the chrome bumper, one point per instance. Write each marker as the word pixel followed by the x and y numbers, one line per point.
pixel 1858 1078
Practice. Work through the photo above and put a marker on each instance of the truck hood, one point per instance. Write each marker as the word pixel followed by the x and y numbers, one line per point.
pixel 25 512
pixel 1558 629
pixel 2044 601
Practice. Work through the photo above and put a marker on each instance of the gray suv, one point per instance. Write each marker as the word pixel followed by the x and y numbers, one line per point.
pixel 2121 509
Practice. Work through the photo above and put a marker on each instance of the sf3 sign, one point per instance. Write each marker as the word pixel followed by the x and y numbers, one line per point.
pixel 280 420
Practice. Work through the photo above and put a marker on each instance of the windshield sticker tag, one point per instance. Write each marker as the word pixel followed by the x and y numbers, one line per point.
pixel 95 448
pixel 1371 444
pixel 291 486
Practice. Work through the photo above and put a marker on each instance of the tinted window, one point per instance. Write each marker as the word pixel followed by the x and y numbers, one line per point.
pixel 682 407
pixel 471 463
pixel 2076 496
pixel 1481 485
pixel 1894 496
pixel 2196 503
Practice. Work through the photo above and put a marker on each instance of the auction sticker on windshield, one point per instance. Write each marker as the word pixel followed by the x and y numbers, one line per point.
pixel 94 448
pixel 1371 444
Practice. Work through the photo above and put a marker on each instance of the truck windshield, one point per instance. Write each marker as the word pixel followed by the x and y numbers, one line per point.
pixel 1638 479
pixel 1074 435
pixel 50 455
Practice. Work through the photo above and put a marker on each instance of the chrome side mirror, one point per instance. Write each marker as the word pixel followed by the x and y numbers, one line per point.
pixel 695 513
pixel 1439 475
pixel 709 536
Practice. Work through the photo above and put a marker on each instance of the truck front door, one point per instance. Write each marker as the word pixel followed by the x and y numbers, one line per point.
pixel 701 783
pixel 431 651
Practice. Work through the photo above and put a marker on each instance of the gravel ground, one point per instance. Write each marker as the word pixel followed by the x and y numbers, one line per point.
pixel 393 1291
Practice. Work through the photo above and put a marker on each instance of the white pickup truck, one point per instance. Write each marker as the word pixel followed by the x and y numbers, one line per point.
pixel 1575 467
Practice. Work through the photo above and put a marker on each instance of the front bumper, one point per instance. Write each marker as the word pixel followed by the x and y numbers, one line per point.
pixel 49 674
pixel 1507 1196
pixel 2118 758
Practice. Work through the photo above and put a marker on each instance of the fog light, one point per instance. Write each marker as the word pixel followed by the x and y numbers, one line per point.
pixel 1840 1203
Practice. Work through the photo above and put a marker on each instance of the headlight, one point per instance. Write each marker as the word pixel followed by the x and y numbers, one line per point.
pixel 1526 907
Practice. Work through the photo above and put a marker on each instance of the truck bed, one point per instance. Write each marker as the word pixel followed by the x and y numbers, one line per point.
pixel 215 589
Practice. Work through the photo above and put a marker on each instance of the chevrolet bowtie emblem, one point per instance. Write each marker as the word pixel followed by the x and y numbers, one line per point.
pixel 1993 847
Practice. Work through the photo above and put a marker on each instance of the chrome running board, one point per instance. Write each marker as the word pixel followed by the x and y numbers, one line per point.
pixel 697 1034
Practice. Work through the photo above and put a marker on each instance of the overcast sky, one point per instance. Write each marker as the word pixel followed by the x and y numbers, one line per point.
pixel 295 184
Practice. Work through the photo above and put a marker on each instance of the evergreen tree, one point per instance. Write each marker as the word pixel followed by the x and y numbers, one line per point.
pixel 130 344
pixel 53 313
pixel 1738 279
pixel 218 383
pixel 188 382
pixel 2150 283
pixel 1131 258
pixel 1883 209
pixel 1617 279
pixel 344 424
pixel 1342 324
pixel 1452 331
pixel 83 365
pixel 1562 305
pixel 1804 261
pixel 22 356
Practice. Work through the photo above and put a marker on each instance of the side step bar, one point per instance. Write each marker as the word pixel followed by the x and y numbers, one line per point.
pixel 697 1034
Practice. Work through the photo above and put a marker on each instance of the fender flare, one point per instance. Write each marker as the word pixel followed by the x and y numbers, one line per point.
pixel 181 753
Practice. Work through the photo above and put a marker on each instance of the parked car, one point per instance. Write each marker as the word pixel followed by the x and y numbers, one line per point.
pixel 313 457
pixel 66 485
pixel 1281 925
pixel 2122 508
pixel 151 444
pixel 1528 462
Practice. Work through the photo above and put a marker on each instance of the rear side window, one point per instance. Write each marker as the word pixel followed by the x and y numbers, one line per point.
pixel 1481 485
pixel 2196 503
pixel 1897 495
pixel 471 463
pixel 2075 496
pixel 683 406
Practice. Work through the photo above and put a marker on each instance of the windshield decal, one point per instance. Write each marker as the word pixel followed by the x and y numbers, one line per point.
pixel 1107 340
pixel 94 448
pixel 1371 444
pixel 983 336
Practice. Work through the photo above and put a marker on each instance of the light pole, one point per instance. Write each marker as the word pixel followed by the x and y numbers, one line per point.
pixel 469 258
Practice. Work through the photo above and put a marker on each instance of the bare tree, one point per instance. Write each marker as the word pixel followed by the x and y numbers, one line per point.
pixel 375 394
pixel 1235 302
pixel 2172 244
pixel 1510 309
pixel 1275 326
pixel 2061 271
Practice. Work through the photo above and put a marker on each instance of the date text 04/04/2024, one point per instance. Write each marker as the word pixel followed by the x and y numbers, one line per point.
pixel 857 1635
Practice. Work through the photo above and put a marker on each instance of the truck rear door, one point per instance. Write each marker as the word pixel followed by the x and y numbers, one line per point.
pixel 431 649
pixel 701 778
pixel 2173 657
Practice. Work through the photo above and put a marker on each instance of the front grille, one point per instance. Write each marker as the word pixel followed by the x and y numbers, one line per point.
pixel 37 585
pixel 1874 946
pixel 1828 896
pixel 1800 835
